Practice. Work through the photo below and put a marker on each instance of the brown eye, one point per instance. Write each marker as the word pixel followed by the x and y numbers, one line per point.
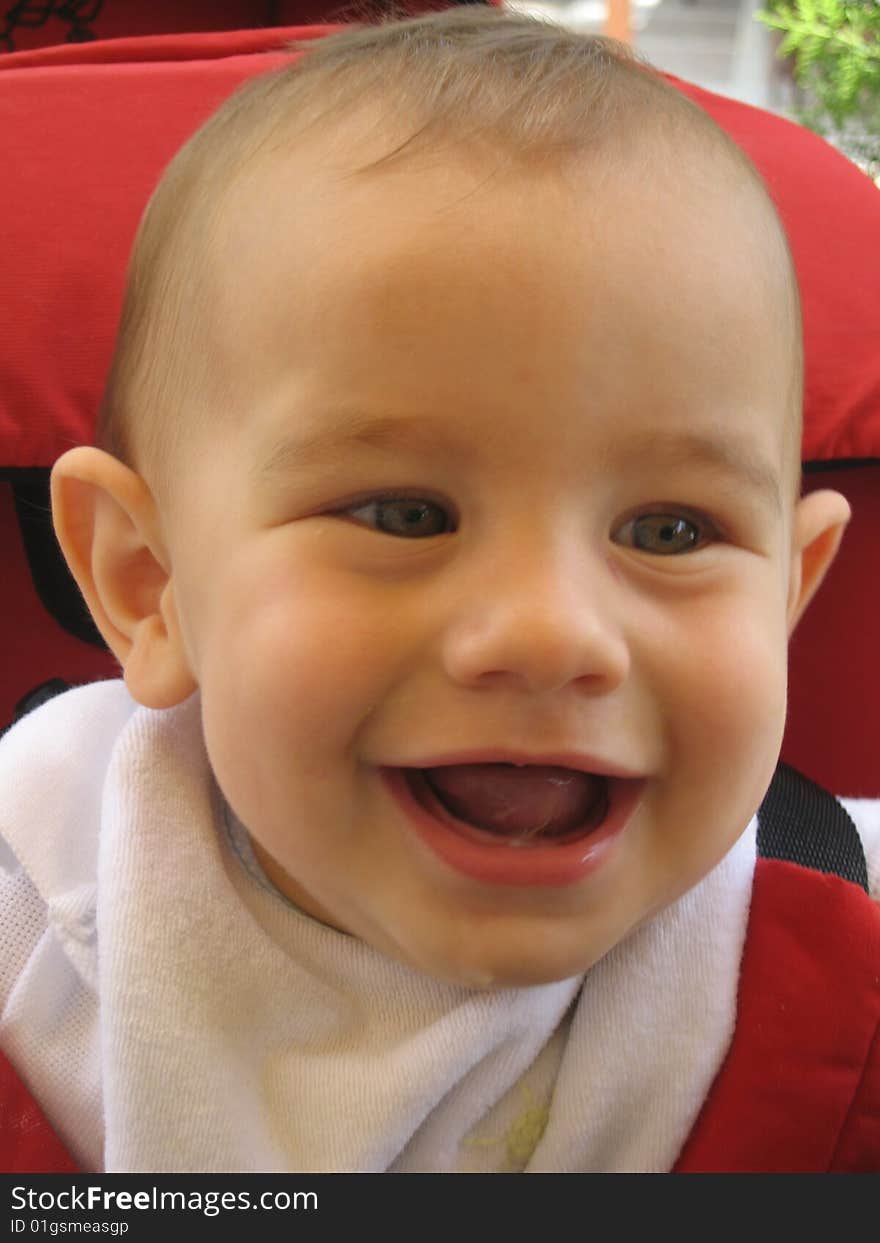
pixel 664 534
pixel 406 517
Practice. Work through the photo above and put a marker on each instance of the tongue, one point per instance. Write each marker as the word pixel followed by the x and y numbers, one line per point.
pixel 522 802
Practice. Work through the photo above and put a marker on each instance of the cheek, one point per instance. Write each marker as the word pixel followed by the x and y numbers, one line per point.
pixel 289 678
pixel 723 697
pixel 725 669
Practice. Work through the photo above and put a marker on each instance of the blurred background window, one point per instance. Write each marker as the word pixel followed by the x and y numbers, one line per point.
pixel 814 61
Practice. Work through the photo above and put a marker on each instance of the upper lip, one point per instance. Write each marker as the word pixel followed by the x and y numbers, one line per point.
pixel 580 761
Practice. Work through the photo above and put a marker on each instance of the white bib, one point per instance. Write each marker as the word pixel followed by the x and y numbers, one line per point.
pixel 199 1022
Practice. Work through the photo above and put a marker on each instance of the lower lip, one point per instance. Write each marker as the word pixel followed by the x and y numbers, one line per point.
pixel 494 861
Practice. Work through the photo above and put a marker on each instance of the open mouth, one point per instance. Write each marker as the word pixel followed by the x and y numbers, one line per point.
pixel 516 825
pixel 514 806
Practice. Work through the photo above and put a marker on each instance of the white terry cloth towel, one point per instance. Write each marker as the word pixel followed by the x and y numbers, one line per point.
pixel 221 1029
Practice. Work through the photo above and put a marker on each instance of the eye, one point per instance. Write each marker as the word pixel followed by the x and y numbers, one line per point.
pixel 666 534
pixel 408 517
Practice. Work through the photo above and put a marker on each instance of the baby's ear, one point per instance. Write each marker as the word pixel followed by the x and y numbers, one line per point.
pixel 108 527
pixel 820 519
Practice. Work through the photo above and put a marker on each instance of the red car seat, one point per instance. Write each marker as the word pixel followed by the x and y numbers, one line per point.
pixel 87 129
pixel 40 23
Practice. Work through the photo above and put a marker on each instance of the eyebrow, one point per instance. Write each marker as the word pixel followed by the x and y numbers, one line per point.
pixel 346 431
pixel 671 450
pixel 674 450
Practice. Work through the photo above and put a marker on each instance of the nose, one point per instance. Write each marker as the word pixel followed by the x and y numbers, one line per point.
pixel 540 622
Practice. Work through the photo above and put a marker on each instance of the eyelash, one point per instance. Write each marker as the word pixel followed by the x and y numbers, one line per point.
pixel 387 498
pixel 705 530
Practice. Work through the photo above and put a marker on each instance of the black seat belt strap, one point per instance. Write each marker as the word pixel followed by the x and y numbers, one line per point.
pixel 801 822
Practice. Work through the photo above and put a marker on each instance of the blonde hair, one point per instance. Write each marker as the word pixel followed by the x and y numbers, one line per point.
pixel 525 87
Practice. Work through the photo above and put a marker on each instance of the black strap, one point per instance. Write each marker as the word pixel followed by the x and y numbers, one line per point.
pixel 52 580
pixel 34 698
pixel 801 822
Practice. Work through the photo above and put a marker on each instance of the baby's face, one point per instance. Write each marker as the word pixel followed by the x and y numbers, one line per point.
pixel 505 484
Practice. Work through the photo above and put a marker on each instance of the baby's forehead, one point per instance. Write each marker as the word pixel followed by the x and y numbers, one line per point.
pixel 314 215
pixel 299 217
pixel 328 192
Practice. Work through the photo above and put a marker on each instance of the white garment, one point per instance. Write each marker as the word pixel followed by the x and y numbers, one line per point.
pixel 173 1012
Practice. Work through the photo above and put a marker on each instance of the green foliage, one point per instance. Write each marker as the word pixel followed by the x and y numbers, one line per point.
pixel 836 51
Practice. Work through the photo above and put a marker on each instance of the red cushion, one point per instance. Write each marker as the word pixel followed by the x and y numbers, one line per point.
pixel 88 142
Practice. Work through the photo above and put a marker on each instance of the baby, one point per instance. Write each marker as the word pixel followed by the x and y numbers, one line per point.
pixel 445 522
